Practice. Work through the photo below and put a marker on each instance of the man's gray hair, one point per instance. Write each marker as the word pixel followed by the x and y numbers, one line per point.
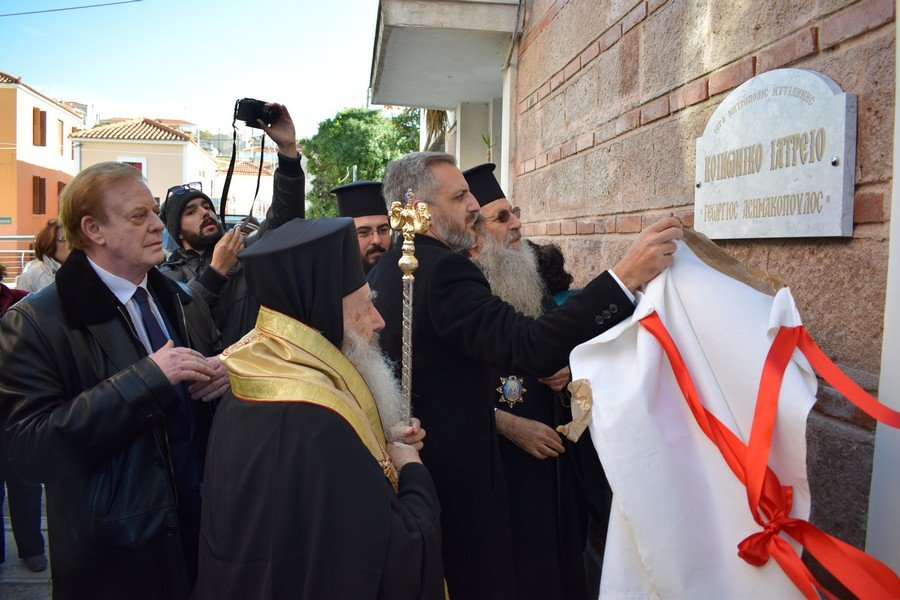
pixel 413 172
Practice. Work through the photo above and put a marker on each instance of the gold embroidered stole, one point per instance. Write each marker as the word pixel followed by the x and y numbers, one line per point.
pixel 283 360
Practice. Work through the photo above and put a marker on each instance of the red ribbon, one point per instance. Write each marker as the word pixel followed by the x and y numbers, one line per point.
pixel 770 502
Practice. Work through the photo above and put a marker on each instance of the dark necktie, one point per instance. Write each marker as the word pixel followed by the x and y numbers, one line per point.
pixel 155 333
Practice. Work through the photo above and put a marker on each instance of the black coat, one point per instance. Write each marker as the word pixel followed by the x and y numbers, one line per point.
pixel 459 331
pixel 84 412
pixel 233 307
pixel 296 507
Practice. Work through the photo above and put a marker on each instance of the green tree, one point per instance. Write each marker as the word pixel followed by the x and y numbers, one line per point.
pixel 354 136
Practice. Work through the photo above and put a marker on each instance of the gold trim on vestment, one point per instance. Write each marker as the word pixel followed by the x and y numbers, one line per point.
pixel 283 360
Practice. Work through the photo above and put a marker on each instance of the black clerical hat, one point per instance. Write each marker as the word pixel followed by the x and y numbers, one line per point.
pixel 303 269
pixel 483 184
pixel 360 199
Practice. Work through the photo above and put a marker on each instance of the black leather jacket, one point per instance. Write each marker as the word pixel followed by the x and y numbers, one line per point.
pixel 83 409
pixel 233 307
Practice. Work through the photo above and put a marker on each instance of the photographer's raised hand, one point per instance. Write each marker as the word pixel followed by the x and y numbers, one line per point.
pixel 282 132
pixel 225 251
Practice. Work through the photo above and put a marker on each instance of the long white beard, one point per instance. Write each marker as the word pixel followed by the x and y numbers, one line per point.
pixel 377 371
pixel 513 273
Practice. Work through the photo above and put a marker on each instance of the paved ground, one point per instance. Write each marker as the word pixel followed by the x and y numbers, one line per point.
pixel 16 581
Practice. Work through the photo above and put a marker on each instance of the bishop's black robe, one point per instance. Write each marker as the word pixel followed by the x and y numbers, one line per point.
pixel 548 505
pixel 460 329
pixel 295 505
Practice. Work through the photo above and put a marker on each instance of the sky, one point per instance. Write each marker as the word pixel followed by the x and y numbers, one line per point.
pixel 191 59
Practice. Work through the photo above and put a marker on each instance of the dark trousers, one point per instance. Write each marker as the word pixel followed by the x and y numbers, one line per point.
pixel 24 511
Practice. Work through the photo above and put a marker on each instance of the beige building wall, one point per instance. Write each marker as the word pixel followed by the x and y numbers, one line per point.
pixel 610 98
pixel 163 162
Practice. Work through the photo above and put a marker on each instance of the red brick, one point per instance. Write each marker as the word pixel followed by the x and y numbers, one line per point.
pixel 686 217
pixel 520 169
pixel 651 219
pixel 689 94
pixel 610 37
pixel 540 161
pixel 584 141
pixel 532 100
pixel 654 4
pixel 523 106
pixel 528 230
pixel 528 165
pixel 543 91
pixel 573 67
pixel 868 207
pixel 539 228
pixel 788 50
pixel 655 109
pixel 600 226
pixel 605 132
pixel 629 224
pixel 609 225
pixel 568 228
pixel 553 228
pixel 590 53
pixel 855 20
pixel 569 148
pixel 732 76
pixel 554 154
pixel 584 227
pixel 557 80
pixel 628 121
pixel 637 14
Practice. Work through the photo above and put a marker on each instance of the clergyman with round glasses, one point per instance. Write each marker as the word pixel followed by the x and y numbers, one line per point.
pixel 206 257
pixel 363 202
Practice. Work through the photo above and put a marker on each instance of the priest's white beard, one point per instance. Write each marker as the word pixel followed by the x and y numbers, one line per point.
pixel 512 272
pixel 378 373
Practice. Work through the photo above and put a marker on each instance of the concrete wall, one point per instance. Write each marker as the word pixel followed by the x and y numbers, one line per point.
pixel 610 97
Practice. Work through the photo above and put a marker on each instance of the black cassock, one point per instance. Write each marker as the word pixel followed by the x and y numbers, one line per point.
pixel 548 503
pixel 460 329
pixel 295 506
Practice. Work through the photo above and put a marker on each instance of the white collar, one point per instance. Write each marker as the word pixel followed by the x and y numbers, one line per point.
pixel 121 288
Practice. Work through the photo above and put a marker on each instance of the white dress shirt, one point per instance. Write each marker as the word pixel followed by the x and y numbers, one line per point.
pixel 124 291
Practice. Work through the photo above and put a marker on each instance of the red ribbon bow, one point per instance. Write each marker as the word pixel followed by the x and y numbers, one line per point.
pixel 770 502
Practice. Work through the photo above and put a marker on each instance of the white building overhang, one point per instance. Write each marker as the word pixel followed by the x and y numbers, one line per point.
pixel 439 53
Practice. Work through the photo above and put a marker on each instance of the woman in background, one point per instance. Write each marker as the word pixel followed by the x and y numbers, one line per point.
pixel 50 250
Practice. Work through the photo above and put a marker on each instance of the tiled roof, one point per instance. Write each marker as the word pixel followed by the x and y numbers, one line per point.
pixel 133 129
pixel 244 167
pixel 7 78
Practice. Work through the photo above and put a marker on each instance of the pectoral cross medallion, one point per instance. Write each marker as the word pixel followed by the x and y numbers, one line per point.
pixel 512 390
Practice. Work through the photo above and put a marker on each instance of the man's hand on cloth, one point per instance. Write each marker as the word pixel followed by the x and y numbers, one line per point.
pixel 533 437
pixel 215 387
pixel 649 254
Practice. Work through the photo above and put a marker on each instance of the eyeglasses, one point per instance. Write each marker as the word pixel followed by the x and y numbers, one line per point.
pixel 505 214
pixel 366 232
pixel 179 190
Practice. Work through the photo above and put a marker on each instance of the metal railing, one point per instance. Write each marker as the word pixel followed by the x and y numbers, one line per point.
pixel 15 253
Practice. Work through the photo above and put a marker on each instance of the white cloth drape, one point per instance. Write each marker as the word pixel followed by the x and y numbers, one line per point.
pixel 678 511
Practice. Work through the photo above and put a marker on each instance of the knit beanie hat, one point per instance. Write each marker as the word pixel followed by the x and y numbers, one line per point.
pixel 174 206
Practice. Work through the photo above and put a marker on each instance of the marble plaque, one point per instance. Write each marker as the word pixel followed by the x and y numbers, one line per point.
pixel 778 159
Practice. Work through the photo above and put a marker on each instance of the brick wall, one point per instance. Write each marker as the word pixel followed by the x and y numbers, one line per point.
pixel 611 96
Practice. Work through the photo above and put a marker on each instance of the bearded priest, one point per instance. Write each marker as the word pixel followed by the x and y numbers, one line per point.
pixel 306 496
